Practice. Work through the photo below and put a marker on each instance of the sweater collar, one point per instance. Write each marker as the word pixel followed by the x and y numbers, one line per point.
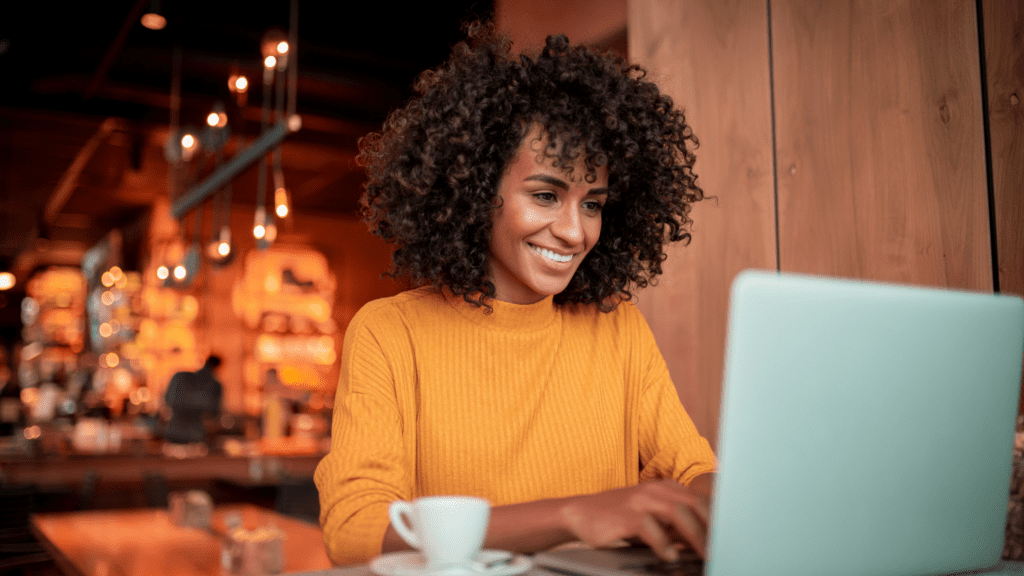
pixel 506 316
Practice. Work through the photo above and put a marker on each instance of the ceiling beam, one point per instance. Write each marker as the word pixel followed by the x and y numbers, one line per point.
pixel 114 49
pixel 69 180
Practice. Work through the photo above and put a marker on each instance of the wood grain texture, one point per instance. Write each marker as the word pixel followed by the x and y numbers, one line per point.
pixel 880 141
pixel 1004 55
pixel 711 56
pixel 1004 63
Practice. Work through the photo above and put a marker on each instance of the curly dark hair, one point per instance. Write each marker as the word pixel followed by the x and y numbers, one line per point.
pixel 433 170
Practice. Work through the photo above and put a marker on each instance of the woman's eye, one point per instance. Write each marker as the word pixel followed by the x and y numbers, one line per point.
pixel 593 206
pixel 545 196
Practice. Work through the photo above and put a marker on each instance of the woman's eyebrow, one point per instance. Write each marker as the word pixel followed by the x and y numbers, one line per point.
pixel 551 180
pixel 548 180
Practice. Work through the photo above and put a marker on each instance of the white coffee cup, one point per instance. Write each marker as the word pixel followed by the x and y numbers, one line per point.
pixel 448 530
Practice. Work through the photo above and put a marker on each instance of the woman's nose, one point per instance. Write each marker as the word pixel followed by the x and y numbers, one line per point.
pixel 567 226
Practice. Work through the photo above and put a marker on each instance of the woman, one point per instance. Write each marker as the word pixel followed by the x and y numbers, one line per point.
pixel 527 198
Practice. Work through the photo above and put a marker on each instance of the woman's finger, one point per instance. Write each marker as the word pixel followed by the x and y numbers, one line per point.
pixel 690 527
pixel 655 536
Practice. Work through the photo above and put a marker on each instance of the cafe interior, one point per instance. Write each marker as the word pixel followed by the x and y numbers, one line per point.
pixel 178 180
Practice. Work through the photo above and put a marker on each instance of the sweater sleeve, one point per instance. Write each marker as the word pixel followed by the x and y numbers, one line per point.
pixel 670 445
pixel 366 468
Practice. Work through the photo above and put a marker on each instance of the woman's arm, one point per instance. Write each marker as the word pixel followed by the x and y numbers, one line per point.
pixel 663 514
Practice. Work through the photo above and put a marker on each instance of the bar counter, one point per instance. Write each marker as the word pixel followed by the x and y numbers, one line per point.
pixel 77 481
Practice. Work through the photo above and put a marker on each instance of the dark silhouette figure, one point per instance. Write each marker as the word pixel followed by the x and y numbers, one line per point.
pixel 191 396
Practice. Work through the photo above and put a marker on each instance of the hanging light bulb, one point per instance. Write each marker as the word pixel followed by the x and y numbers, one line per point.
pixel 189 146
pixel 259 229
pixel 239 87
pixel 163 273
pixel 238 83
pixel 153 19
pixel 281 202
pixel 180 272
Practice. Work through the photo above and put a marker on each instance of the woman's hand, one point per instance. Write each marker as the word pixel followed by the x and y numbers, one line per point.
pixel 662 514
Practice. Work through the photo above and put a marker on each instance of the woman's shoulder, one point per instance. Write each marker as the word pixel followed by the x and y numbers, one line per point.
pixel 400 307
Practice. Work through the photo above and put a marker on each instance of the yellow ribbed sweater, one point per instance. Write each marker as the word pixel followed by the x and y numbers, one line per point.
pixel 528 402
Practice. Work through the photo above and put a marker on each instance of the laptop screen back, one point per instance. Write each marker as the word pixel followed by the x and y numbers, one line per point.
pixel 866 428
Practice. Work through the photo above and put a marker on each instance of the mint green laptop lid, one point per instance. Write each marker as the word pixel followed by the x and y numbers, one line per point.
pixel 866 428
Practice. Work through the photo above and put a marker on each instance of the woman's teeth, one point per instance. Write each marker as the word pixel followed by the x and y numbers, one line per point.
pixel 551 255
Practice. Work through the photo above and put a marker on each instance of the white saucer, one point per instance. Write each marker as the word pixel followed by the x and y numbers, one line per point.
pixel 412 563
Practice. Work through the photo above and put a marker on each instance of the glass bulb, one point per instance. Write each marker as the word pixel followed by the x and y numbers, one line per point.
pixel 154 21
pixel 179 272
pixel 259 231
pixel 162 273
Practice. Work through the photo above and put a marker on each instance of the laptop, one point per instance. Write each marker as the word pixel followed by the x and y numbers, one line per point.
pixel 866 428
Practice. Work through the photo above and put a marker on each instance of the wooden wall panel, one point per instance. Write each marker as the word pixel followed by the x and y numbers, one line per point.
pixel 529 22
pixel 1004 55
pixel 880 141
pixel 711 56
pixel 1004 59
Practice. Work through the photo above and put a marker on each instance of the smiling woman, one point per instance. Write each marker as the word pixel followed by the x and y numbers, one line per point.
pixel 528 198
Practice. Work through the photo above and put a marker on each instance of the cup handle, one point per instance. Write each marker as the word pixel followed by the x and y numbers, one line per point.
pixel 400 511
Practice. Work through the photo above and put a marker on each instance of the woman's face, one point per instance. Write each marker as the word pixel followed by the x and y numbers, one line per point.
pixel 545 226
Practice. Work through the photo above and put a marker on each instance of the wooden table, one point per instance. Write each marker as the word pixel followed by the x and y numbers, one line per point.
pixel 144 542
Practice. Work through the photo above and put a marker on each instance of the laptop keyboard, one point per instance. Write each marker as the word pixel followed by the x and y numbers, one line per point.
pixel 688 564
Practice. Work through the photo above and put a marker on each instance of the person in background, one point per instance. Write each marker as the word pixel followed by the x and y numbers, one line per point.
pixel 528 198
pixel 279 401
pixel 191 397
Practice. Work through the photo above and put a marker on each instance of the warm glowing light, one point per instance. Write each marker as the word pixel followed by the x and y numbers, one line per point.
pixel 111 359
pixel 154 21
pixel 162 272
pixel 107 297
pixel 179 272
pixel 281 199
pixel 282 47
pixel 213 118
pixel 238 83
pixel 270 61
pixel 188 141
pixel 122 378
pixel 258 231
pixel 121 282
pixel 107 279
pixel 106 330
pixel 29 396
pixel 116 273
pixel 223 248
pixel 6 280
pixel 33 432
